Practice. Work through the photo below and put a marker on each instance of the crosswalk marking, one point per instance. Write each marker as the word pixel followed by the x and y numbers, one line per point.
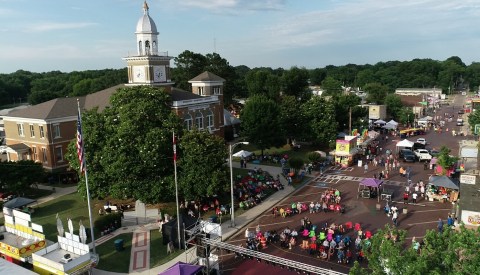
pixel 337 178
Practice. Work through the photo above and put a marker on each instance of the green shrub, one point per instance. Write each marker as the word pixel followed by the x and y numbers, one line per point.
pixel 107 220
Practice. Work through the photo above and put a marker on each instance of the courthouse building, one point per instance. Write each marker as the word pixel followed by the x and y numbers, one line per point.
pixel 42 132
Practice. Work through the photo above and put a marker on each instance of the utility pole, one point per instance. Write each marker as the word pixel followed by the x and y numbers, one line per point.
pixel 350 120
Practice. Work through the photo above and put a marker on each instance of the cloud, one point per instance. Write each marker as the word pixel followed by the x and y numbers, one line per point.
pixel 234 5
pixel 370 20
pixel 54 26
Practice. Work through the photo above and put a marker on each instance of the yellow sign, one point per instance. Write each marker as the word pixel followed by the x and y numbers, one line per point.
pixel 9 250
pixel 343 146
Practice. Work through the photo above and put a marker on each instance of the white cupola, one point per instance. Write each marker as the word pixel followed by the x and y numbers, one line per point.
pixel 147 34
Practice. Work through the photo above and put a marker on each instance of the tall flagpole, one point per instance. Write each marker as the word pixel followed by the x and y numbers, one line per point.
pixel 176 188
pixel 83 168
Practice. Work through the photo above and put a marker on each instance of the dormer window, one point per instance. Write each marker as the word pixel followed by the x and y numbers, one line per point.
pixel 201 91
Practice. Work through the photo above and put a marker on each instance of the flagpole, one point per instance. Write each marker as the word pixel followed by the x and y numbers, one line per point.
pixel 86 181
pixel 176 188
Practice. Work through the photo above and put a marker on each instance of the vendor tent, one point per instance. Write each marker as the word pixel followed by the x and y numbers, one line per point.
pixel 242 154
pixel 393 122
pixel 405 144
pixel 371 182
pixel 322 153
pixel 182 268
pixel 378 122
pixel 443 181
pixel 341 135
pixel 18 202
pixel 389 126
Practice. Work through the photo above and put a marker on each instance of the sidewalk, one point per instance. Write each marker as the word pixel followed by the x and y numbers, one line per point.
pixel 241 221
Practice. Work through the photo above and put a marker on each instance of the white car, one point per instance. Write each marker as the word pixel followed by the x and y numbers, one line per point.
pixel 422 141
pixel 3 149
pixel 422 154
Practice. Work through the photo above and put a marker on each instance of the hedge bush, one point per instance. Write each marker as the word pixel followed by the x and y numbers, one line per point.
pixel 107 220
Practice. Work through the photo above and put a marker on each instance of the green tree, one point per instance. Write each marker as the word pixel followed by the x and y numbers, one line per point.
pixel 291 117
pixel 321 126
pixel 202 170
pixel 331 86
pixel 263 82
pixel 261 121
pixel 394 105
pixel 296 163
pixel 474 119
pixel 17 176
pixel 346 105
pixel 295 82
pixel 451 252
pixel 317 76
pixel 445 160
pixel 376 93
pixel 129 146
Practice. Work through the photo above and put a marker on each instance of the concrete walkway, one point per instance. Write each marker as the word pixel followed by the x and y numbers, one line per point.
pixel 241 222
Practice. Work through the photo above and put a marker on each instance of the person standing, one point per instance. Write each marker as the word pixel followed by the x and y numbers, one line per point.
pixel 414 197
pixel 405 197
pixel 366 167
pixel 440 225
pixel 394 218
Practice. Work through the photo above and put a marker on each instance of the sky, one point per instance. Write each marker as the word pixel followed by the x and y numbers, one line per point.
pixel 73 35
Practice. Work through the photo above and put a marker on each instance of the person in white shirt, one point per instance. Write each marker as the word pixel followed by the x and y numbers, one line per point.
pixel 414 197
pixel 394 218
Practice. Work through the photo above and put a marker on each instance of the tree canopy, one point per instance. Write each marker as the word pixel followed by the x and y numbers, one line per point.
pixel 129 146
pixel 449 252
pixel 260 120
pixel 17 176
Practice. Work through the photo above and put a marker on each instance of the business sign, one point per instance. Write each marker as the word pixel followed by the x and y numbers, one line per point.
pixel 468 179
pixel 471 217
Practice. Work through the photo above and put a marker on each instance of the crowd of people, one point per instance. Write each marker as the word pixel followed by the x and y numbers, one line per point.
pixel 330 201
pixel 342 243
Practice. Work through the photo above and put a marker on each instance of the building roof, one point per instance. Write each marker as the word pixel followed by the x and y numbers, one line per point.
pixel 207 77
pixel 179 94
pixel 67 107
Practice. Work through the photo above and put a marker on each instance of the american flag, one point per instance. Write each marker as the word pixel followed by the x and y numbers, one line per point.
pixel 80 154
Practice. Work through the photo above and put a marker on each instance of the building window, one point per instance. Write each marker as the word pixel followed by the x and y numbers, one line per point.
pixel 42 132
pixel 44 155
pixel 56 130
pixel 35 155
pixel 217 91
pixel 58 154
pixel 201 91
pixel 210 120
pixel 20 130
pixel 32 131
pixel 199 120
pixel 188 122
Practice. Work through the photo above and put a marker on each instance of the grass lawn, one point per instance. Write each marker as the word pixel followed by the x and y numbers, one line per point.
pixel 158 251
pixel 112 260
pixel 68 206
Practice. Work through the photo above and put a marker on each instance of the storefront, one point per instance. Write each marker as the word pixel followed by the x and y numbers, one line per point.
pixel 345 151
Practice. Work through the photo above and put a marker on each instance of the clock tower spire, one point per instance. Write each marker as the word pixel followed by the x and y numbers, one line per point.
pixel 148 66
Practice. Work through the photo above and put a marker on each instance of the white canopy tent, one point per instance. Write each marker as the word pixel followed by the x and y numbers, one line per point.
pixel 373 134
pixel 389 126
pixel 242 154
pixel 404 144
pixel 393 122
pixel 378 122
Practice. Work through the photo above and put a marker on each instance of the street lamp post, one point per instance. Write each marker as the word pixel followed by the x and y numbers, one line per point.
pixel 232 206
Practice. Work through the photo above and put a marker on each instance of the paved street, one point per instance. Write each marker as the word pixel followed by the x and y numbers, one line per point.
pixel 419 218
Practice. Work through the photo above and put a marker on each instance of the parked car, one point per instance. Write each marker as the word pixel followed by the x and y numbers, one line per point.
pixel 461 112
pixel 3 149
pixel 434 153
pixel 459 122
pixel 422 141
pixel 407 155
pixel 423 155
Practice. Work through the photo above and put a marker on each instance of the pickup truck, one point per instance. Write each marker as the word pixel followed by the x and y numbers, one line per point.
pixel 422 155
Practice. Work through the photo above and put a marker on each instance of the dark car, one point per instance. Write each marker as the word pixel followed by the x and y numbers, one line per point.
pixel 461 112
pixel 408 155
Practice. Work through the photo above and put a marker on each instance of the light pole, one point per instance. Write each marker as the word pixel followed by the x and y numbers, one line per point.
pixel 232 206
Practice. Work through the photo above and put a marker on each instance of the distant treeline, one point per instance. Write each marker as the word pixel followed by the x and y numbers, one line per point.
pixel 242 81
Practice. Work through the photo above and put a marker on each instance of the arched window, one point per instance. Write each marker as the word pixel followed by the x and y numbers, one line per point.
pixel 210 119
pixel 188 122
pixel 199 120
pixel 140 51
pixel 147 47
